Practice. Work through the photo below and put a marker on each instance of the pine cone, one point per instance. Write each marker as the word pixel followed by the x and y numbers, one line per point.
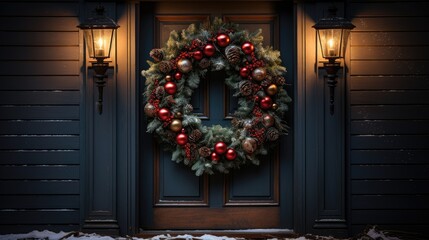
pixel 195 136
pixel 194 154
pixel 165 66
pixel 266 82
pixel 280 80
pixel 205 63
pixel 245 88
pixel 157 54
pixel 232 53
pixel 272 134
pixel 235 122
pixel 159 92
pixel 188 108
pixel 204 151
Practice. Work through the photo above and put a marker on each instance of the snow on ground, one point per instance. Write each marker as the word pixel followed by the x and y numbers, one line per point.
pixel 370 234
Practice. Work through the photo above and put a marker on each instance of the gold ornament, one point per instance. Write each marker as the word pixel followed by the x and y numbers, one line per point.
pixel 168 78
pixel 184 65
pixel 176 125
pixel 178 115
pixel 268 120
pixel 259 74
pixel 249 145
pixel 272 89
pixel 149 110
pixel 275 106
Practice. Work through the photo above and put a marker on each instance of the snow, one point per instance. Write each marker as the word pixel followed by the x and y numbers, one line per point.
pixel 48 235
pixel 371 233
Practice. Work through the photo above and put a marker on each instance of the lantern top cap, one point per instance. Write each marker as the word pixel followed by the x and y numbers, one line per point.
pixel 333 22
pixel 99 21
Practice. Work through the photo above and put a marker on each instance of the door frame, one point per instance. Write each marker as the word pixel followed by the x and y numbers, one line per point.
pixel 300 63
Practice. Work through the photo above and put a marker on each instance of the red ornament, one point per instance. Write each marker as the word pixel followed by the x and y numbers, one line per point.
pixel 214 157
pixel 181 139
pixel 178 76
pixel 198 55
pixel 222 40
pixel 244 72
pixel 164 114
pixel 231 154
pixel 247 47
pixel 220 148
pixel 209 50
pixel 170 87
pixel 266 103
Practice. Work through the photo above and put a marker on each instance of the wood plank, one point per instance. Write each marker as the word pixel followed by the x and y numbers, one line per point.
pixel 49 68
pixel 389 38
pixel 389 97
pixel 46 172
pixel 390 142
pixel 380 187
pixel 387 127
pixel 395 8
pixel 389 82
pixel 60 142
pixel 389 53
pixel 36 24
pixel 390 24
pixel 39 127
pixel 39 112
pixel 389 156
pixel 40 83
pixel 221 218
pixel 39 97
pixel 390 216
pixel 384 67
pixel 62 216
pixel 57 9
pixel 20 53
pixel 39 201
pixel 416 112
pixel 31 189
pixel 39 157
pixel 390 172
pixel 389 202
pixel 40 39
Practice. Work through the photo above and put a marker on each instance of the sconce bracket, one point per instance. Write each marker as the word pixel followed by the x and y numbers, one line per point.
pixel 331 69
pixel 100 68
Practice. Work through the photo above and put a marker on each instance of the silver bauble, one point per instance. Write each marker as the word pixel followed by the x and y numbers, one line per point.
pixel 184 65
pixel 259 74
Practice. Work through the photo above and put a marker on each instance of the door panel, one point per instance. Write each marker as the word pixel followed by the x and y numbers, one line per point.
pixel 240 200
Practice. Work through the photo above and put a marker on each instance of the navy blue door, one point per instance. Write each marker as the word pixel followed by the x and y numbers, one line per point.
pixel 171 196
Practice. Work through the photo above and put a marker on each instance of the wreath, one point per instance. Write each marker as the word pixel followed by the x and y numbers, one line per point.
pixel 254 74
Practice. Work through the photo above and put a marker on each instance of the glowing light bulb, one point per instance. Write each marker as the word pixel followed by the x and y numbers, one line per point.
pixel 331 50
pixel 99 49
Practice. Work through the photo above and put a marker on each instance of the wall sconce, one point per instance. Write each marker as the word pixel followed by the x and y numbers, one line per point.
pixel 333 33
pixel 98 33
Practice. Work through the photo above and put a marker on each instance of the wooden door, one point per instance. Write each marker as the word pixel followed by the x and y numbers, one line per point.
pixel 171 196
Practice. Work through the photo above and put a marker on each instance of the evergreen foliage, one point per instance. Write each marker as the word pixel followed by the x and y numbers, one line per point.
pixel 248 137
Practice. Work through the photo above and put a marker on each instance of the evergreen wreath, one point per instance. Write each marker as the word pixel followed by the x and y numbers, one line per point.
pixel 254 74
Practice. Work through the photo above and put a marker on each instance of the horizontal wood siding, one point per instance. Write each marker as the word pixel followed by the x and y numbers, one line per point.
pixel 40 124
pixel 389 111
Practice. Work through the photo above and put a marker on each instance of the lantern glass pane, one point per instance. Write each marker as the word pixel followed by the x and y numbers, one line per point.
pixel 99 42
pixel 89 42
pixel 331 42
